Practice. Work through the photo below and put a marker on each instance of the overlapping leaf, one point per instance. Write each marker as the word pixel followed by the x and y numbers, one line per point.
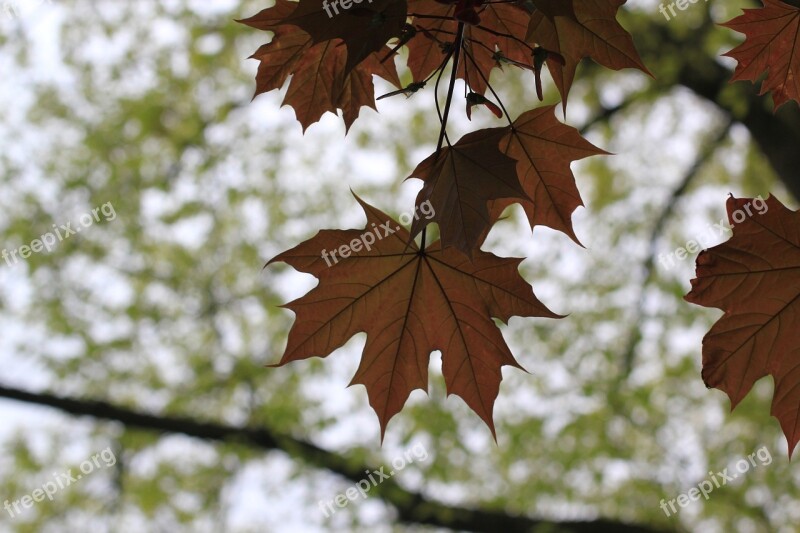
pixel 544 148
pixel 582 28
pixel 337 46
pixel 364 27
pixel 410 303
pixel 472 182
pixel 772 45
pixel 318 83
pixel 755 278
pixel 460 181
pixel 500 34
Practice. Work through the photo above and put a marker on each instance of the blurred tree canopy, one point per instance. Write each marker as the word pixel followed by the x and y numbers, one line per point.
pixel 147 332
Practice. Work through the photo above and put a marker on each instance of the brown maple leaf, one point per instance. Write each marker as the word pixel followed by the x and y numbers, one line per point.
pixel 499 33
pixel 755 278
pixel 410 303
pixel 364 27
pixel 460 181
pixel 772 45
pixel 578 29
pixel 544 148
pixel 318 83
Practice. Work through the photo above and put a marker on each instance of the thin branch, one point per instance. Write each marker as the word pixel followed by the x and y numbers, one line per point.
pixel 606 113
pixel 692 172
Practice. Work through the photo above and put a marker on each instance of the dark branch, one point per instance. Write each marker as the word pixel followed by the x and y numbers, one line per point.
pixel 412 507
pixel 776 133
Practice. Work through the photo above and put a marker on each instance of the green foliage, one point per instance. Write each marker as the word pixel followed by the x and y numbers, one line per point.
pixel 166 309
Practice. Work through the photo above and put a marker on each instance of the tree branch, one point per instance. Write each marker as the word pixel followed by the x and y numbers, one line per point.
pixel 412 507
pixel 703 157
pixel 776 133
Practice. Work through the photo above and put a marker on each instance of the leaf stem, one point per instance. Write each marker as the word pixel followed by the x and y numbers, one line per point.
pixel 489 86
pixel 451 88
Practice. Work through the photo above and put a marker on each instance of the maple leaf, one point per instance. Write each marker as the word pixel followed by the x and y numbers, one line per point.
pixel 772 45
pixel 460 180
pixel 410 303
pixel 575 30
pixel 753 277
pixel 364 28
pixel 544 148
pixel 500 33
pixel 318 82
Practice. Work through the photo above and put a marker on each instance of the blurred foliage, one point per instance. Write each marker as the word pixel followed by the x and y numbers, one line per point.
pixel 165 308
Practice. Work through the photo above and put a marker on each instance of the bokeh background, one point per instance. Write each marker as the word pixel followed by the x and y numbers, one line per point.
pixel 165 308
